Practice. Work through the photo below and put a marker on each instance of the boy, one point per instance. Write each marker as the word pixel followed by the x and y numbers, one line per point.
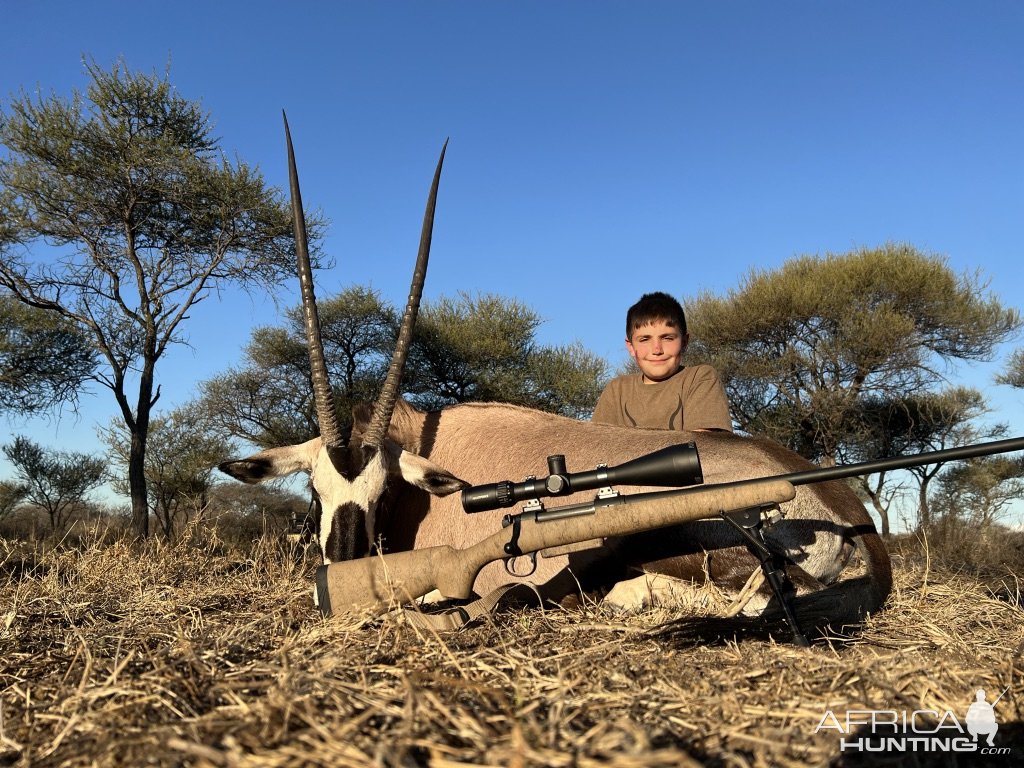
pixel 665 394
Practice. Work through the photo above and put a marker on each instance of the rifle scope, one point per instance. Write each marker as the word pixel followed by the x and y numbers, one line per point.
pixel 675 466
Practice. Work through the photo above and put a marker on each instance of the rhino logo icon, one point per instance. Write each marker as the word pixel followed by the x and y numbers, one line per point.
pixel 981 716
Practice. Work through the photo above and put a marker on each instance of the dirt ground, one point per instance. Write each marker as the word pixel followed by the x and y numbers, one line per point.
pixel 116 654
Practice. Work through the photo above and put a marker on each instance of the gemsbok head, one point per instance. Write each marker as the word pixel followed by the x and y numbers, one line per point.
pixel 349 470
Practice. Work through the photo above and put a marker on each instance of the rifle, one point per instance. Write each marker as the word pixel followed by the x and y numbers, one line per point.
pixel 373 582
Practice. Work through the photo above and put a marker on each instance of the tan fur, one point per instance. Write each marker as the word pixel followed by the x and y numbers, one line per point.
pixel 485 443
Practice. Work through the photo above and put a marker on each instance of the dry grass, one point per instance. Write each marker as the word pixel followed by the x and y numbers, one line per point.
pixel 115 654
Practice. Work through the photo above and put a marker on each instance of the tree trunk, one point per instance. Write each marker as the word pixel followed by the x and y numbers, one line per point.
pixel 137 485
pixel 137 451
pixel 924 512
pixel 876 502
pixel 883 515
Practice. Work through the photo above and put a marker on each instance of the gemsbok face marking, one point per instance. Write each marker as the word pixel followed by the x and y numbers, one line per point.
pixel 349 474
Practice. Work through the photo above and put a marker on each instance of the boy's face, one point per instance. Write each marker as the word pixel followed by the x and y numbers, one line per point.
pixel 658 349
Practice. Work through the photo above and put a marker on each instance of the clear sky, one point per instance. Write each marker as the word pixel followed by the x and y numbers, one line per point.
pixel 598 150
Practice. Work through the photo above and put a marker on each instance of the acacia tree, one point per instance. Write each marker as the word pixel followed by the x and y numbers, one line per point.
pixel 128 215
pixel 915 424
pixel 180 458
pixel 55 481
pixel 44 359
pixel 483 348
pixel 565 379
pixel 1014 373
pixel 801 348
pixel 979 491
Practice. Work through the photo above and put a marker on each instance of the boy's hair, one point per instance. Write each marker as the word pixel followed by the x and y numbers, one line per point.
pixel 653 307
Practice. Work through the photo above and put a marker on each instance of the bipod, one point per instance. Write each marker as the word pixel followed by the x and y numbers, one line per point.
pixel 750 524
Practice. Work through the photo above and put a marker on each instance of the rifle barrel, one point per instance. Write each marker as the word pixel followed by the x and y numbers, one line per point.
pixel 902 462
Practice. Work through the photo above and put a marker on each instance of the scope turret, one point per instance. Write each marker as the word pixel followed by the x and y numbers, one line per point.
pixel 675 466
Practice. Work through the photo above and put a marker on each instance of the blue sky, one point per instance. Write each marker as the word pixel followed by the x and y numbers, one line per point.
pixel 598 150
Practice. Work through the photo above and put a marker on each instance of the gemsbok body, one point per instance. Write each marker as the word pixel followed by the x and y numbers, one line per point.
pixel 390 483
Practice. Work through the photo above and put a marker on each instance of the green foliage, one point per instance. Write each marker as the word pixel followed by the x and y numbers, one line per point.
pixel 1014 373
pixel 565 379
pixel 926 421
pixel 801 348
pixel 470 348
pixel 483 348
pixel 44 359
pixel 265 407
pixel 55 481
pixel 980 491
pixel 359 330
pixel 152 216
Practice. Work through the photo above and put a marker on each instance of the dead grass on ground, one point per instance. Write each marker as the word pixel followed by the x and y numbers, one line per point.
pixel 119 654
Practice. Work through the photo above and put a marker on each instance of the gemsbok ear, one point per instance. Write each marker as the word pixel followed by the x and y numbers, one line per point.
pixel 425 474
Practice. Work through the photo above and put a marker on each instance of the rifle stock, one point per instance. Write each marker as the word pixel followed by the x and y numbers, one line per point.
pixel 378 582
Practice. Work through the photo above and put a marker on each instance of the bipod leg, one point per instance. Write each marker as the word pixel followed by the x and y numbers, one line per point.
pixel 750 523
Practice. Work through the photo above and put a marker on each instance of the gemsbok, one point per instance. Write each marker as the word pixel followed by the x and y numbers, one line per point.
pixel 389 484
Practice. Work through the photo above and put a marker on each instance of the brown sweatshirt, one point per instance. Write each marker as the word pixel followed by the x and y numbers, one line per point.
pixel 693 398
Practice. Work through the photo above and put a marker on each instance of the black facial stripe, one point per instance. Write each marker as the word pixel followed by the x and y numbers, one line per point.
pixel 341 460
pixel 350 460
pixel 347 537
pixel 367 454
